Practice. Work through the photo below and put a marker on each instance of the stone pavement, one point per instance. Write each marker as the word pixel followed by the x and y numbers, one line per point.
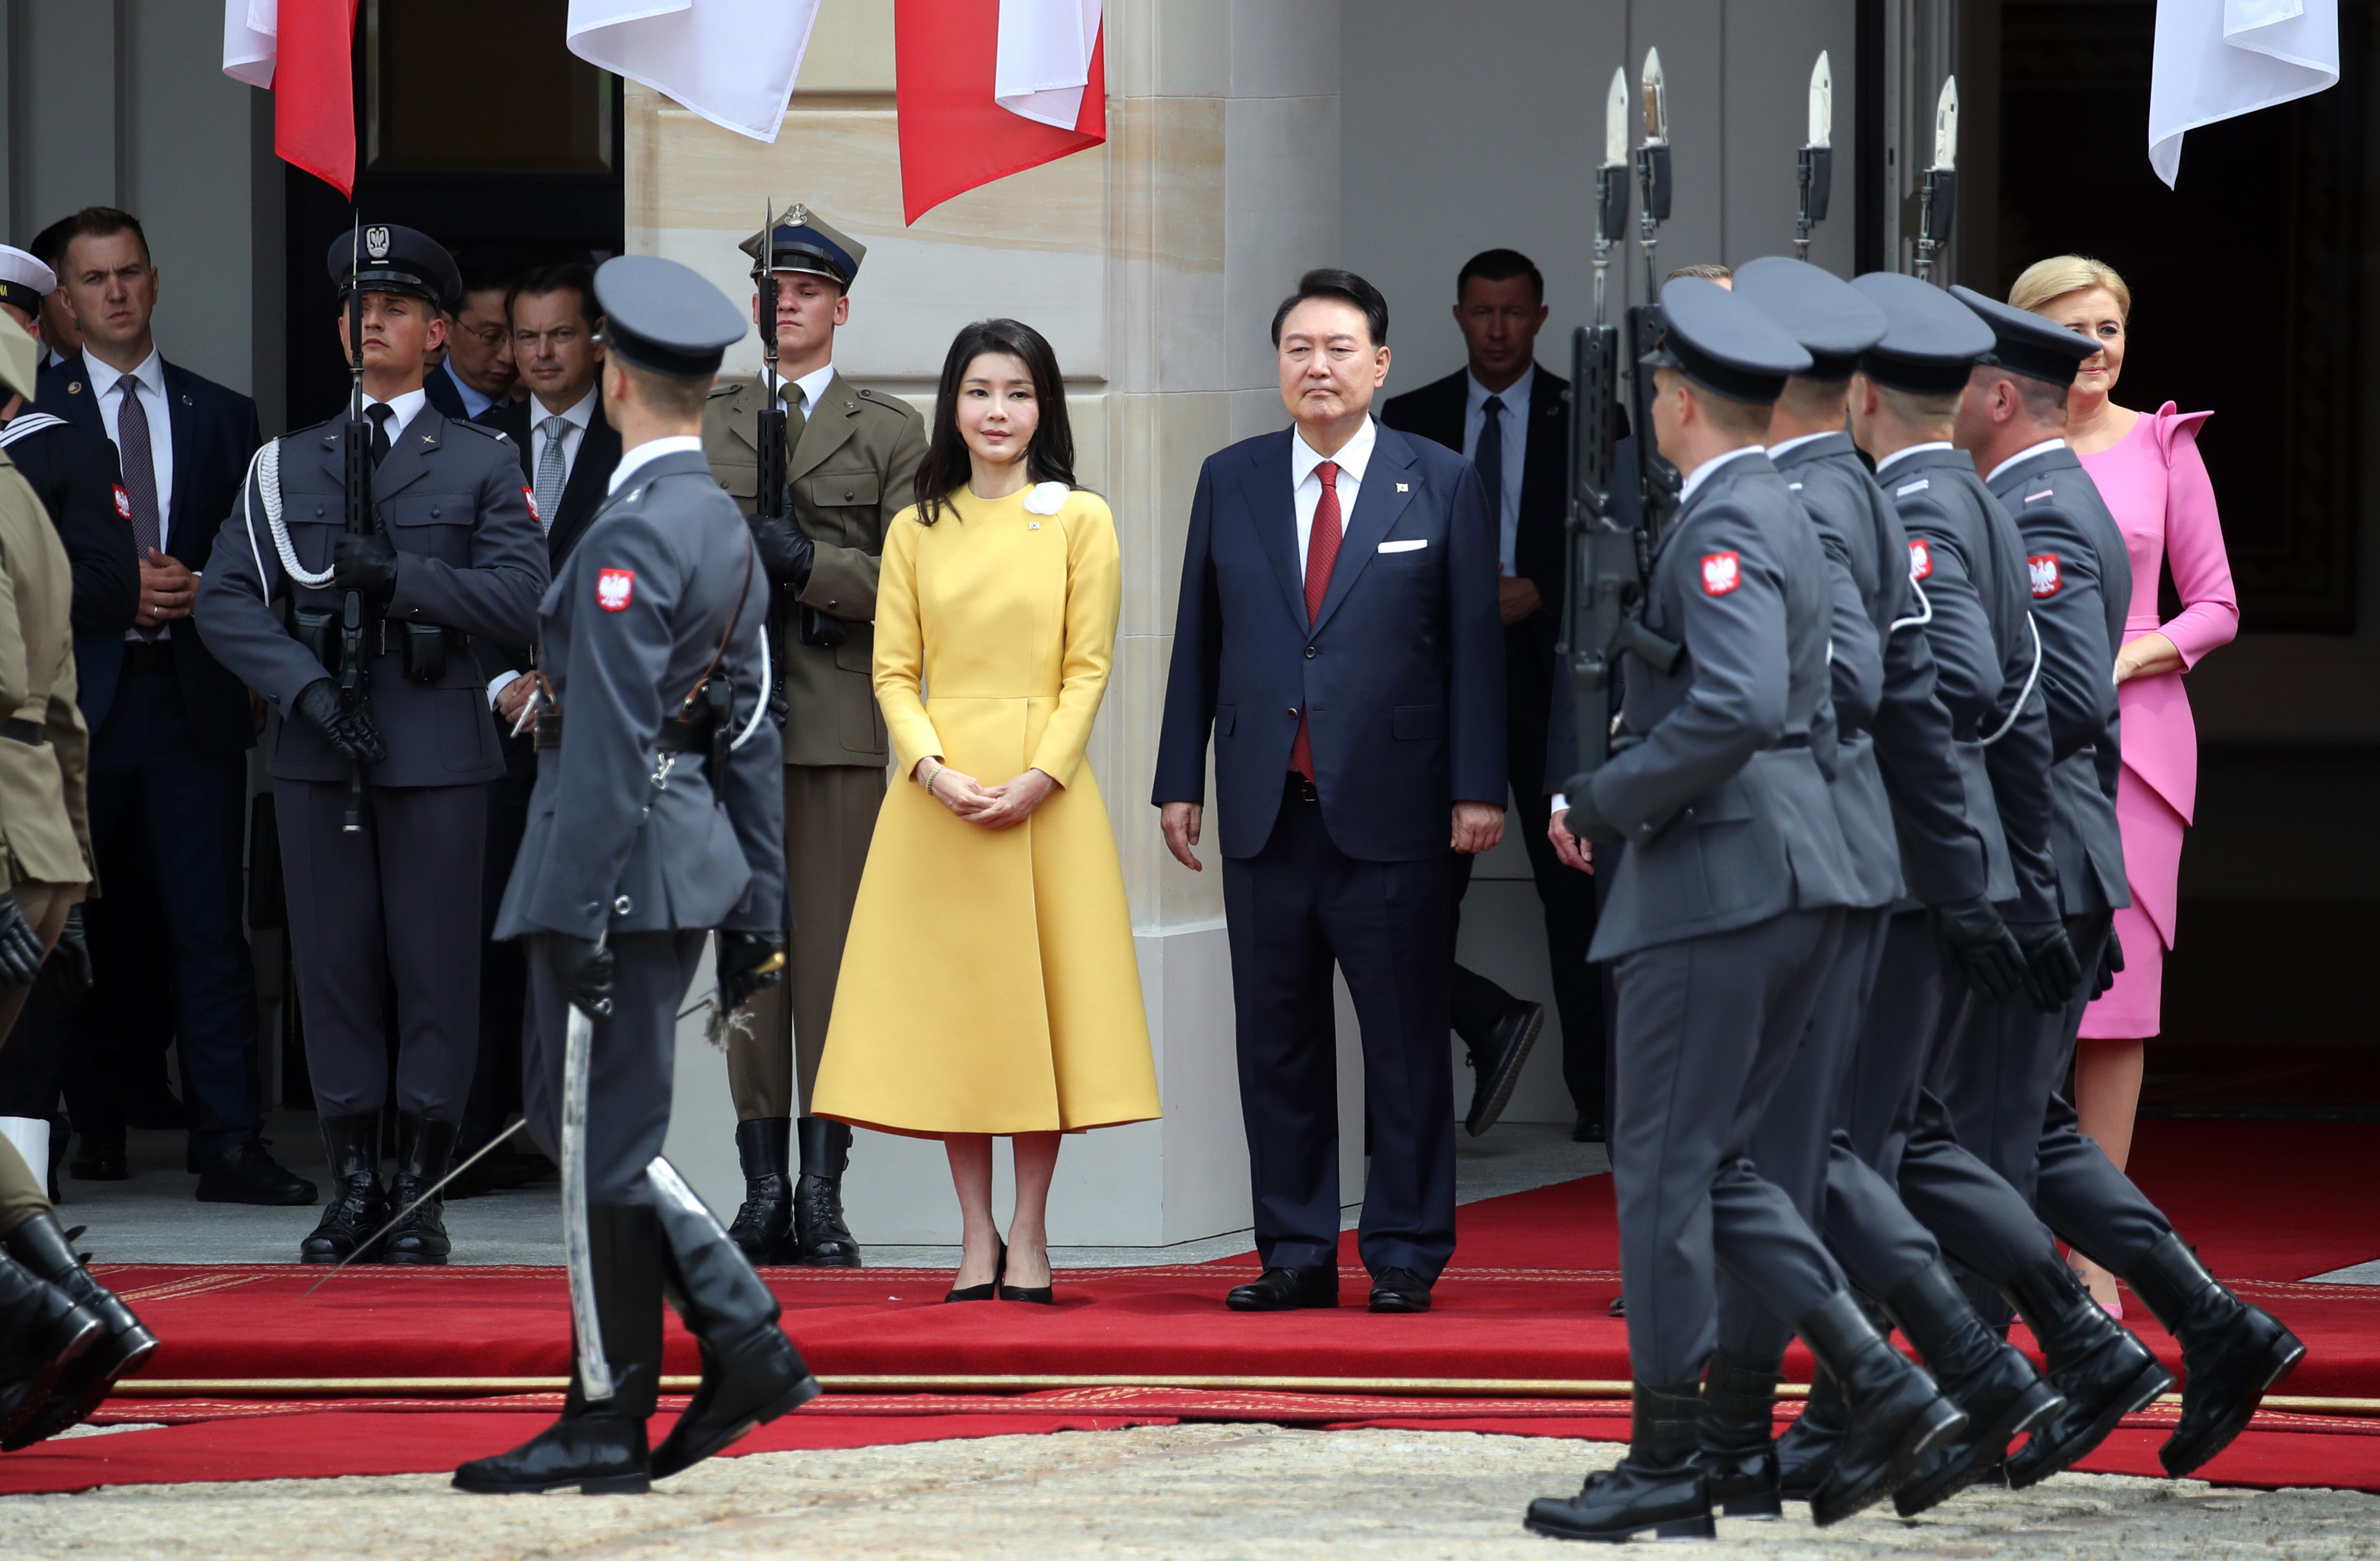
pixel 1202 1491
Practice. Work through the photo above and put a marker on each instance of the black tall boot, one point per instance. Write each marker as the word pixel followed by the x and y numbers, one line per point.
pixel 751 1373
pixel 47 1251
pixel 1896 1414
pixel 1738 1448
pixel 425 1153
pixel 2232 1353
pixel 599 1447
pixel 824 1241
pixel 1660 1485
pixel 2104 1372
pixel 763 1227
pixel 1806 1452
pixel 42 1334
pixel 1984 1374
pixel 356 1206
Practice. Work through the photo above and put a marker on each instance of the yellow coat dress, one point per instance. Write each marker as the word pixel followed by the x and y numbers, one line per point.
pixel 988 985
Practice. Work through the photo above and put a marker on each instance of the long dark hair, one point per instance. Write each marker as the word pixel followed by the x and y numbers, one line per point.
pixel 1051 456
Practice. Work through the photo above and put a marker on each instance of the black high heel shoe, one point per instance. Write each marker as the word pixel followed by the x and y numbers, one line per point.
pixel 984 1292
pixel 1040 1297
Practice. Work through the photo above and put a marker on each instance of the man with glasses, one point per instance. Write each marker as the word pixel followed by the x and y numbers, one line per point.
pixel 478 375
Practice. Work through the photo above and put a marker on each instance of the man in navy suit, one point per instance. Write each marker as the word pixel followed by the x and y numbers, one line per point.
pixel 170 728
pixel 1338 633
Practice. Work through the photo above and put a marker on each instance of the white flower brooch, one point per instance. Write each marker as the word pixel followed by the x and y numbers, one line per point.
pixel 1046 498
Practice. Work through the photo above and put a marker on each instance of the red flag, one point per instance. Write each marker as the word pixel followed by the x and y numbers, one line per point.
pixel 953 136
pixel 314 90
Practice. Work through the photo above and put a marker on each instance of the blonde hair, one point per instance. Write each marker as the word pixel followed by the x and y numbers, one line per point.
pixel 2061 274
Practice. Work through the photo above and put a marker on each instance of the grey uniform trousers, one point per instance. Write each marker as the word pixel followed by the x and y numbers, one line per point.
pixel 392 912
pixel 1707 1030
pixel 632 1065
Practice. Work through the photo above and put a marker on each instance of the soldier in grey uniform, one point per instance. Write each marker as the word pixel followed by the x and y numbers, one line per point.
pixel 657 817
pixel 390 909
pixel 1725 912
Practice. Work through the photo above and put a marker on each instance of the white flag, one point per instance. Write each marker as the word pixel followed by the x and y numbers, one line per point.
pixel 1044 63
pixel 2218 59
pixel 731 61
pixel 251 40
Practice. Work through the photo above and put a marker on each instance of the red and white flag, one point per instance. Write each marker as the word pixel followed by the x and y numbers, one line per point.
pixel 987 92
pixel 303 51
pixel 731 61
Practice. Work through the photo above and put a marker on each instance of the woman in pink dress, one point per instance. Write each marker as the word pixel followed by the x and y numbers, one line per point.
pixel 2147 467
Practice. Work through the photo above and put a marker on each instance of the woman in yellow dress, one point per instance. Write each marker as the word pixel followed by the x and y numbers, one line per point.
pixel 989 987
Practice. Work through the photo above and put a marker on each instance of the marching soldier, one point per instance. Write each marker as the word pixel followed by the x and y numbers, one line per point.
pixel 852 462
pixel 657 817
pixel 389 901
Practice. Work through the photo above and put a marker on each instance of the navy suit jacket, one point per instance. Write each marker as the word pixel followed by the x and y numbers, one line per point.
pixel 215 433
pixel 1400 676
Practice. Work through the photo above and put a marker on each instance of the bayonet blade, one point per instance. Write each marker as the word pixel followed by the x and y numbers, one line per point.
pixel 1822 102
pixel 1615 119
pixel 1946 125
pixel 1657 100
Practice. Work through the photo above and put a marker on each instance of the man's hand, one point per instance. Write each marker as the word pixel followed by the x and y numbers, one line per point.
pixel 351 733
pixel 1516 598
pixel 167 588
pixel 2051 971
pixel 66 973
pixel 365 563
pixel 20 945
pixel 1181 821
pixel 513 699
pixel 1478 826
pixel 1980 943
pixel 749 963
pixel 1575 853
pixel 585 968
pixel 787 550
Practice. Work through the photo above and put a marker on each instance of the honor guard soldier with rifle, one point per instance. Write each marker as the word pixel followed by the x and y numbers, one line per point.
pixel 657 817
pixel 820 467
pixel 366 553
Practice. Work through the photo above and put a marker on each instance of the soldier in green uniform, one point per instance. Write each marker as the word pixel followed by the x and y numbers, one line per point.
pixel 851 459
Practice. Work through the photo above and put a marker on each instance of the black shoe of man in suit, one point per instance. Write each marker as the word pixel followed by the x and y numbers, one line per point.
pixel 1496 1061
pixel 1286 1289
pixel 1400 1289
pixel 246 1172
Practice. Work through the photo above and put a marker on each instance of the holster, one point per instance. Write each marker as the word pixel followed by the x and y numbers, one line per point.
pixel 319 633
pixel 822 629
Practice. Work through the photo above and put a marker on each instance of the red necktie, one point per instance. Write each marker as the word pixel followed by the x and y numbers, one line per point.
pixel 1321 552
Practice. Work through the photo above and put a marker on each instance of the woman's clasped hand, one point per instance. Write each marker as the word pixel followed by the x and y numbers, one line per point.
pixel 992 807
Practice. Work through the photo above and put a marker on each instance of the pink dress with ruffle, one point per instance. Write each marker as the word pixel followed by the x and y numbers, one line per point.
pixel 2155 485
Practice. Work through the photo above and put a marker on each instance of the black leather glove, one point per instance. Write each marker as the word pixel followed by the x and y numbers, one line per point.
pixel 1971 933
pixel 748 963
pixel 351 733
pixel 365 563
pixel 787 550
pixel 2051 971
pixel 20 945
pixel 67 974
pixel 1582 820
pixel 2112 960
pixel 586 969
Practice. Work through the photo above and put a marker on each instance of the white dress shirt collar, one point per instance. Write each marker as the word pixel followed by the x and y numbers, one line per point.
pixel 1515 395
pixel 633 461
pixel 407 408
pixel 1351 458
pixel 1889 461
pixel 580 414
pixel 151 374
pixel 2025 454
pixel 1798 440
pixel 810 386
pixel 1704 473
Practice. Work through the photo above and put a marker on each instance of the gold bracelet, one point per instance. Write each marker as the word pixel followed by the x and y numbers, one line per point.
pixel 928 781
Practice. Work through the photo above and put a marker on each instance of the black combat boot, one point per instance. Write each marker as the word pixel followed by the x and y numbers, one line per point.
pixel 1660 1485
pixel 824 1241
pixel 1807 1451
pixel 598 1445
pixel 425 1153
pixel 356 1206
pixel 2104 1372
pixel 763 1227
pixel 1738 1448
pixel 1896 1414
pixel 43 1335
pixel 751 1373
pixel 1983 1373
pixel 47 1251
pixel 2232 1353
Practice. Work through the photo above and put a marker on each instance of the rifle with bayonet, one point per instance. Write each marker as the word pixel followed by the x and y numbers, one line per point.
pixel 1938 187
pixel 1656 481
pixel 773 508
pixel 354 690
pixel 1815 166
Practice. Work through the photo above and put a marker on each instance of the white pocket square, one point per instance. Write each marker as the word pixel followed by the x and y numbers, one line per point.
pixel 1416 543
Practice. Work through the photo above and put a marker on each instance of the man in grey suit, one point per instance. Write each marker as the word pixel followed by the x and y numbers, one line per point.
pixel 392 905
pixel 1723 914
pixel 659 816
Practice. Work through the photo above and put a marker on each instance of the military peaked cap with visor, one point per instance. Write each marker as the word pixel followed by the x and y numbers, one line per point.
pixel 386 258
pixel 1816 308
pixel 802 240
pixel 2026 344
pixel 1931 341
pixel 664 316
pixel 1725 344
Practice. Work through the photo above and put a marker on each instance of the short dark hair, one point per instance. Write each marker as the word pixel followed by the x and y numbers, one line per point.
pixel 670 395
pixel 1049 458
pixel 485 270
pixel 554 279
pixel 1329 281
pixel 1500 266
pixel 91 222
pixel 1709 270
pixel 2042 400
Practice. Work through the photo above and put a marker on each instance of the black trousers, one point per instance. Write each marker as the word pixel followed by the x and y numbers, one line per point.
pixel 385 918
pixel 633 1065
pixel 1293 911
pixel 504 968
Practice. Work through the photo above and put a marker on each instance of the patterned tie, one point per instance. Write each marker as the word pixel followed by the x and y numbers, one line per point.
pixel 1321 552
pixel 549 470
pixel 139 477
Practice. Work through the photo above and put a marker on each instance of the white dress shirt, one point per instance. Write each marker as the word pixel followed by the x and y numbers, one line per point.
pixel 1306 488
pixel 576 420
pixel 151 378
pixel 802 395
pixel 1889 461
pixel 474 402
pixel 2027 454
pixel 407 408
pixel 1516 450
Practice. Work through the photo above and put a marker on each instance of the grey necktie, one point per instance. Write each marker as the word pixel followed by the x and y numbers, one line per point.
pixel 139 475
pixel 548 469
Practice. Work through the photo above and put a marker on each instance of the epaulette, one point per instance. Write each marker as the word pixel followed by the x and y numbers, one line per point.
pixel 499 435
pixel 891 404
pixel 728 385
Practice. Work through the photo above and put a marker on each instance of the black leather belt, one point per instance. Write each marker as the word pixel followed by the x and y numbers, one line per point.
pixel 677 736
pixel 23 731
pixel 148 655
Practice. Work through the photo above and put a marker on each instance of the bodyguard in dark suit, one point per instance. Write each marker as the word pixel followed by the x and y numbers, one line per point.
pixel 390 909
pixel 1509 417
pixel 170 726
pixel 1351 675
